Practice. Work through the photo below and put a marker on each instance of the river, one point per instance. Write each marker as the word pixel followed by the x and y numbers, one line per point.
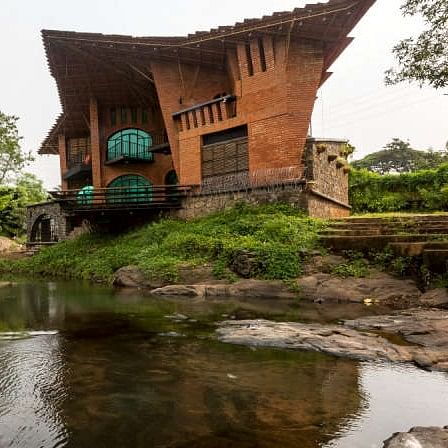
pixel 88 366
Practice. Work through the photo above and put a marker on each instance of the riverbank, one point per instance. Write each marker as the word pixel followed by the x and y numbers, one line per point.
pixel 268 242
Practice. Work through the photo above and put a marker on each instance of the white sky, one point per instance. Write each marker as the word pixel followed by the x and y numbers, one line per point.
pixel 354 103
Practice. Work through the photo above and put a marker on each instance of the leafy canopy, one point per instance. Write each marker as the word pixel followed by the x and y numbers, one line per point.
pixel 17 190
pixel 424 58
pixel 12 158
pixel 399 157
pixel 13 201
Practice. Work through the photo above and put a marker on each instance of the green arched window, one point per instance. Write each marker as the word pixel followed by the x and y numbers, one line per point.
pixel 129 189
pixel 130 143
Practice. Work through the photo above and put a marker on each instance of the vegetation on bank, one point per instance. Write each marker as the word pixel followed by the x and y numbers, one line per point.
pixel 17 189
pixel 424 190
pixel 277 237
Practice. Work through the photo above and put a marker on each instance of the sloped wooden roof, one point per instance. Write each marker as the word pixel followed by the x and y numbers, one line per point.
pixel 114 68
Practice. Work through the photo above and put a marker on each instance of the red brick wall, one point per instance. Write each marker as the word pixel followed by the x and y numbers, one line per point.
pixel 154 171
pixel 275 97
pixel 180 86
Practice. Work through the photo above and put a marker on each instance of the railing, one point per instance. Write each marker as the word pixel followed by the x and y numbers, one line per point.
pixel 79 158
pixel 269 178
pixel 126 198
pixel 204 114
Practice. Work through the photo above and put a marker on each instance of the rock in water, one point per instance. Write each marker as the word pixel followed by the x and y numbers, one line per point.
pixel 425 331
pixel 130 277
pixel 379 288
pixel 419 438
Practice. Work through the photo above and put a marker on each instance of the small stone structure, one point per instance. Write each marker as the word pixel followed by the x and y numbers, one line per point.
pixel 47 222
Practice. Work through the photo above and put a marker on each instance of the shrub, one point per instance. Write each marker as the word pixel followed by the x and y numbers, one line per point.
pixel 426 190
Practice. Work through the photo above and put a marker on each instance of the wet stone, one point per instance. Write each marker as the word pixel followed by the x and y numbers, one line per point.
pixel 419 438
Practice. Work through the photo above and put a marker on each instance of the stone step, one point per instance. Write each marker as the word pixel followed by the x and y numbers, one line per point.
pixel 388 231
pixel 372 242
pixel 438 222
pixel 397 218
pixel 385 225
pixel 344 232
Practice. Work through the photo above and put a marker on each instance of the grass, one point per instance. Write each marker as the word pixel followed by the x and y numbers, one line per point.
pixel 277 236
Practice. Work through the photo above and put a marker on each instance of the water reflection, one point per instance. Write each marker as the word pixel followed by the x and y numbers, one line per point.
pixel 105 376
pixel 32 392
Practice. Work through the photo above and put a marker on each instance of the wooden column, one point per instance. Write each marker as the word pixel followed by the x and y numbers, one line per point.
pixel 95 144
pixel 62 146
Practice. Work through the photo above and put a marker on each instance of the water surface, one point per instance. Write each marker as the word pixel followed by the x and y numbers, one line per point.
pixel 84 366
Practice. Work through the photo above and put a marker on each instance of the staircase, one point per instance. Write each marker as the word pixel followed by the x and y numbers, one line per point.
pixel 407 236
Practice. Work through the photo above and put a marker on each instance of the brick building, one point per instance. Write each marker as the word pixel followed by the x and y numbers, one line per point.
pixel 220 111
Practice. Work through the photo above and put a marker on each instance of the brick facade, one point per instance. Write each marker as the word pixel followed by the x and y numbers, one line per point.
pixel 274 99
pixel 259 75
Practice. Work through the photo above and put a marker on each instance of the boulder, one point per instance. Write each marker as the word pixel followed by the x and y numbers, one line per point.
pixel 263 289
pixel 130 277
pixel 332 339
pixel 357 339
pixel 435 297
pixel 195 275
pixel 323 264
pixel 419 438
pixel 8 245
pixel 244 288
pixel 379 288
pixel 180 290
pixel 425 327
pixel 245 264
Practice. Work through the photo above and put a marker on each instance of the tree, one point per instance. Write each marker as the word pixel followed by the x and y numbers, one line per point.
pixel 399 157
pixel 13 201
pixel 423 58
pixel 12 158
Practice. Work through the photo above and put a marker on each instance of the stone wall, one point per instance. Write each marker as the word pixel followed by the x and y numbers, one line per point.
pixel 199 205
pixel 326 171
pixel 52 209
pixel 318 207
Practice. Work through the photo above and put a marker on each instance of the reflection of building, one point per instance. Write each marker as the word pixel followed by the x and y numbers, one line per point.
pixel 215 112
pixel 184 394
pixel 109 379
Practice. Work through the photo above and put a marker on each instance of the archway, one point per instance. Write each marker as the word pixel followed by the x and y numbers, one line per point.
pixel 44 230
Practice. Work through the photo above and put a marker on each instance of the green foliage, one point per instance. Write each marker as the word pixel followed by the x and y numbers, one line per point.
pixel 424 59
pixel 13 200
pixel 425 190
pixel 398 157
pixel 401 265
pixel 277 235
pixel 12 158
pixel 356 266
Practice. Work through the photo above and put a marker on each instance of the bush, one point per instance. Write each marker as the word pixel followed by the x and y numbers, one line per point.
pixel 425 190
